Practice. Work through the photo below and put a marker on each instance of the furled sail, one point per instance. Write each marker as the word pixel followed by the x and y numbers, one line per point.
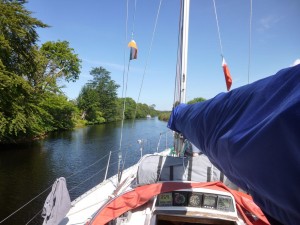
pixel 252 134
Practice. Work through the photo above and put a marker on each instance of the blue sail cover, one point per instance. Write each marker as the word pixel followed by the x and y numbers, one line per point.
pixel 252 134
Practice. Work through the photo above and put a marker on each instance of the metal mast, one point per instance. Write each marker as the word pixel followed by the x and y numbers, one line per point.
pixel 185 4
pixel 181 72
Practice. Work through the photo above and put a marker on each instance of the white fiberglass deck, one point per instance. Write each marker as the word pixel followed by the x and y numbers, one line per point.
pixel 87 204
pixel 84 207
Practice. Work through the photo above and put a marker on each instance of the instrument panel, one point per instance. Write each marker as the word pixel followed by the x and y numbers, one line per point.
pixel 196 199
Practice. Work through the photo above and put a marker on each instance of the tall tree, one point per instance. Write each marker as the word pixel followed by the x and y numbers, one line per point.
pixel 88 102
pixel 60 110
pixel 130 106
pixel 107 92
pixel 18 37
pixel 30 100
pixel 195 100
pixel 20 114
pixel 56 61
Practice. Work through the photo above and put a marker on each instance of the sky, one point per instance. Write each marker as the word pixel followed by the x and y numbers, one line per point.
pixel 96 30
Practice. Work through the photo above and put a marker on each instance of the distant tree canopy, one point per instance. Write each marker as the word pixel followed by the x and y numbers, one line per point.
pixel 98 101
pixel 134 110
pixel 106 89
pixel 195 100
pixel 98 98
pixel 165 116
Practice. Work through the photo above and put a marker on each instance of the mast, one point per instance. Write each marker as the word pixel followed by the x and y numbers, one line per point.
pixel 185 7
pixel 182 55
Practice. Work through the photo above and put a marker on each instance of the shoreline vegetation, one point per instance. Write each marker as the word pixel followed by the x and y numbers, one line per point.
pixel 32 103
pixel 164 116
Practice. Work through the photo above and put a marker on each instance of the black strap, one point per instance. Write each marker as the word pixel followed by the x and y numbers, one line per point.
pixel 159 168
pixel 171 172
pixel 221 177
pixel 190 170
pixel 208 174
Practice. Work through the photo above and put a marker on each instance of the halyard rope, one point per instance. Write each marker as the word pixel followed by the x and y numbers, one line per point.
pixel 124 87
pixel 148 57
pixel 219 33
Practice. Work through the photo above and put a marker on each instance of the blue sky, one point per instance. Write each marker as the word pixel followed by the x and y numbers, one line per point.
pixel 96 31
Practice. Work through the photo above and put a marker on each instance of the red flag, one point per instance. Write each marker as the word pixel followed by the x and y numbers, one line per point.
pixel 227 75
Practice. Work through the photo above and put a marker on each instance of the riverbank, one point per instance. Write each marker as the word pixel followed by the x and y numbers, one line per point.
pixel 164 116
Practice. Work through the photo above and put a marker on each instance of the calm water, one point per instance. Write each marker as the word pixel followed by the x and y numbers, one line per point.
pixel 26 171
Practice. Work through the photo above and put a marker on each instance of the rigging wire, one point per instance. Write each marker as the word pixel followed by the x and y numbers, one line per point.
pixel 250 40
pixel 122 122
pixel 123 89
pixel 219 33
pixel 124 92
pixel 89 178
pixel 34 216
pixel 125 83
pixel 28 222
pixel 47 190
pixel 25 204
pixel 148 57
pixel 133 23
pixel 70 189
pixel 228 78
pixel 87 166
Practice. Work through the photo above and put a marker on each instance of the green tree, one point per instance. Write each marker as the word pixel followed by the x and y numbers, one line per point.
pixel 164 116
pixel 24 115
pixel 20 115
pixel 107 92
pixel 56 61
pixel 88 102
pixel 142 110
pixel 18 37
pixel 130 106
pixel 195 100
pixel 61 112
pixel 31 103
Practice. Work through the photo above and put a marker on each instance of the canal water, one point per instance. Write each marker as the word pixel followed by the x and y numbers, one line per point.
pixel 80 156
